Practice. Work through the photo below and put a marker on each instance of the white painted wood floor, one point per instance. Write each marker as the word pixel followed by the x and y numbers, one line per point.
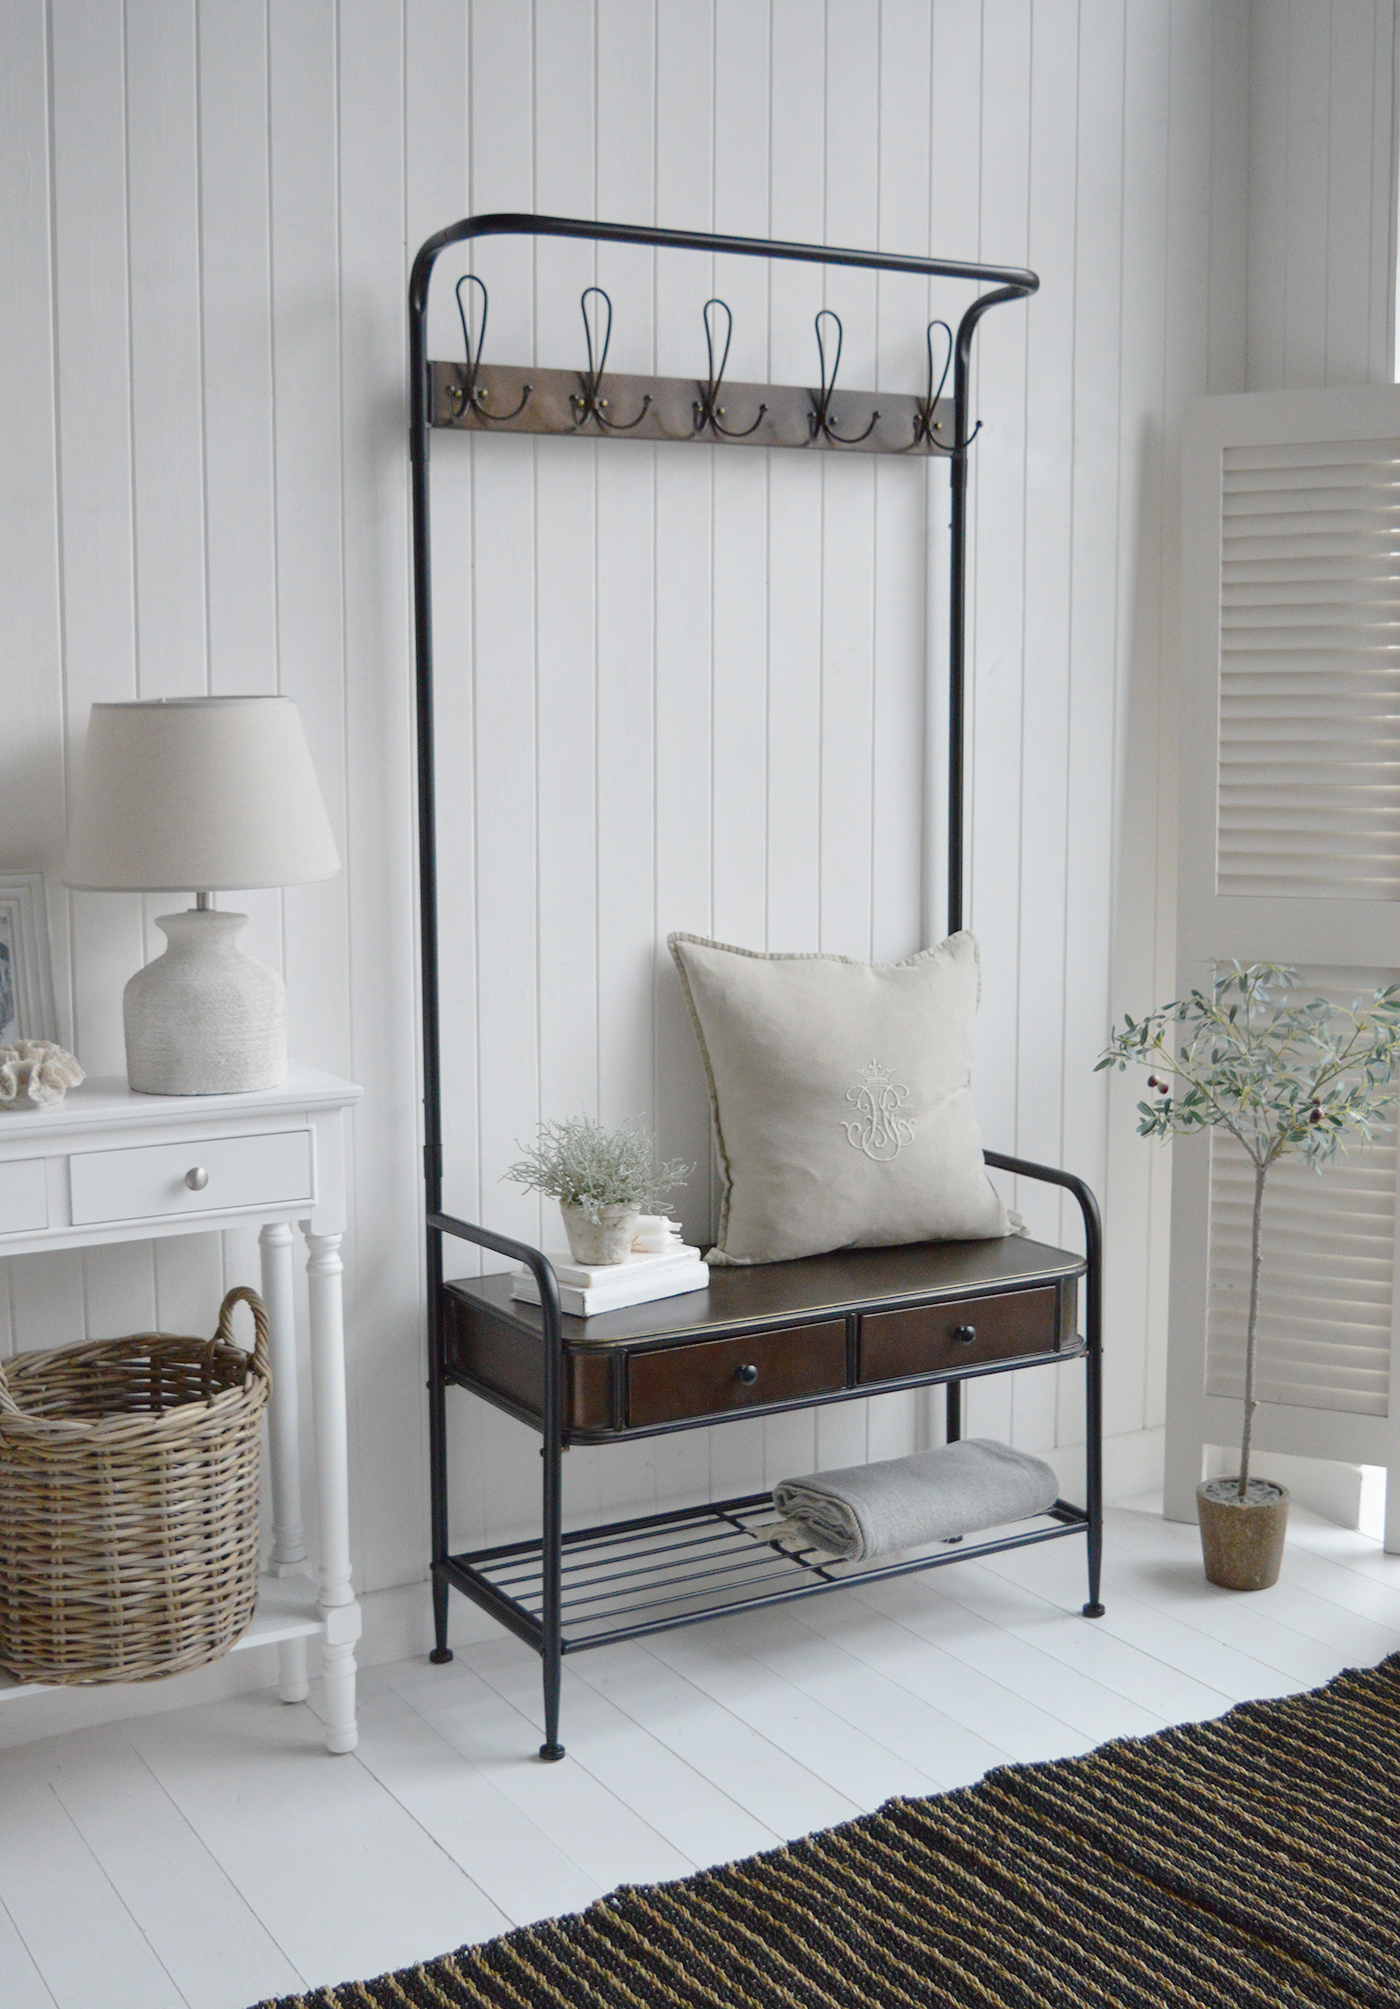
pixel 216 1855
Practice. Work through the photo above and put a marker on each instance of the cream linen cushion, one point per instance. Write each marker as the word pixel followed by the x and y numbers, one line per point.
pixel 841 1098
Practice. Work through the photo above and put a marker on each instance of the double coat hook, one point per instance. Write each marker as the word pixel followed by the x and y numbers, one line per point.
pixel 588 404
pixel 707 410
pixel 471 394
pixel 925 424
pixel 821 420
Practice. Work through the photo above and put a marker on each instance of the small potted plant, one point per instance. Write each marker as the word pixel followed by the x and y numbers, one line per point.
pixel 1282 1078
pixel 604 1180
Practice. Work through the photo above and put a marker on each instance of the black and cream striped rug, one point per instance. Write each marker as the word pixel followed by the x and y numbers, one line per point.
pixel 1254 1860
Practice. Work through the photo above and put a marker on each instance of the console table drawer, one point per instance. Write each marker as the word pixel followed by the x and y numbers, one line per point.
pixel 712 1376
pixel 154 1180
pixel 24 1197
pixel 897 1344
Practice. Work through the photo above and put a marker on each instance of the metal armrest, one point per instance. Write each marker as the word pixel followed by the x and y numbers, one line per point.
pixel 537 1263
pixel 1025 1168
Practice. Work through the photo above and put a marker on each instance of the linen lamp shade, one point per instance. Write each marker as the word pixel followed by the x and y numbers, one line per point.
pixel 209 794
pixel 203 793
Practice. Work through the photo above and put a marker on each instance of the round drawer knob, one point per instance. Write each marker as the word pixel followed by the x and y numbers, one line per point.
pixel 964 1334
pixel 196 1178
pixel 748 1374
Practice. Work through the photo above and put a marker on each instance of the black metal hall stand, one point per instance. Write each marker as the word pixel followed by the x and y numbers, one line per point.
pixel 793 1334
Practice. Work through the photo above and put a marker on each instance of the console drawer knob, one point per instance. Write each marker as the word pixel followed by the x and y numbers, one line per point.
pixel 964 1334
pixel 196 1178
pixel 748 1374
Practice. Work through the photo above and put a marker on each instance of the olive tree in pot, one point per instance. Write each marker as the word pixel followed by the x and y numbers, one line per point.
pixel 1282 1077
pixel 603 1180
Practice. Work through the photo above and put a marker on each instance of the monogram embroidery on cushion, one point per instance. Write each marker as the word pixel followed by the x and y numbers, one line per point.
pixel 879 1131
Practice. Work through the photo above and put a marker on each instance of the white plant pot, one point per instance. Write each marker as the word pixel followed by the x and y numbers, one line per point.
pixel 607 1240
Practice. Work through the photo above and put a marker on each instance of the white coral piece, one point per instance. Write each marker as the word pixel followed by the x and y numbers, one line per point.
pixel 35 1073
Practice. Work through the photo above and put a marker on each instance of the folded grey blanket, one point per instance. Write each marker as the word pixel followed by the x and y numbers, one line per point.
pixel 905 1503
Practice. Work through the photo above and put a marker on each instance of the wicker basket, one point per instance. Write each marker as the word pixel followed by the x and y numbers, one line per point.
pixel 129 1503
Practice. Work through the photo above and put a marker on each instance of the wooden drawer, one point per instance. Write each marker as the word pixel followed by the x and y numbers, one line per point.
pixel 24 1196
pixel 711 1376
pixel 499 1359
pixel 149 1181
pixel 934 1338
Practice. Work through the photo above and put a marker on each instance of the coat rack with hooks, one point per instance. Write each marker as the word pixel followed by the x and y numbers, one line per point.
pixel 637 1576
pixel 477 396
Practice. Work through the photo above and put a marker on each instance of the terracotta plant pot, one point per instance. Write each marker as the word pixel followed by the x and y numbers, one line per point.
pixel 1242 1540
pixel 607 1240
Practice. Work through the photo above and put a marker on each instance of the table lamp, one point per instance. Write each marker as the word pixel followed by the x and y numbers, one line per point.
pixel 211 794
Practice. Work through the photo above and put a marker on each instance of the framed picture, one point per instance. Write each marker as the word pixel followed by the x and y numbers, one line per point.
pixel 26 972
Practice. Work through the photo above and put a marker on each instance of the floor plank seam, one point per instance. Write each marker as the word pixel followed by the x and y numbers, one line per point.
pixel 701 1693
pixel 958 1660
pixel 679 1758
pixel 198 1842
pixel 103 1872
pixel 529 1732
pixel 850 1721
pixel 29 1954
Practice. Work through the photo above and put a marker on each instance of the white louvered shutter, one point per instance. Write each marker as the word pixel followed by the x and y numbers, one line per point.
pixel 1308 802
pixel 1290 853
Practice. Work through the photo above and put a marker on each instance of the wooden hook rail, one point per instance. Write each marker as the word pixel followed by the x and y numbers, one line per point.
pixel 670 415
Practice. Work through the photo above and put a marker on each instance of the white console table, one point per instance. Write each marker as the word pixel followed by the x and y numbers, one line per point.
pixel 107 1165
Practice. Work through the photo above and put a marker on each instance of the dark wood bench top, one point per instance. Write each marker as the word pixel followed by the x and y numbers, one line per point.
pixel 850 1280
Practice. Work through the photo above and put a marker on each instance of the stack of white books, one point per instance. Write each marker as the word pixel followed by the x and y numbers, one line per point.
pixel 588 1288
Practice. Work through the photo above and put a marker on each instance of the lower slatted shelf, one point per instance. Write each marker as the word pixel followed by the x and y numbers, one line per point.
pixel 665 1570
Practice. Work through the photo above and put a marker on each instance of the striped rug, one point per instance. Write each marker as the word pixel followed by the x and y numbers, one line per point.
pixel 1254 1860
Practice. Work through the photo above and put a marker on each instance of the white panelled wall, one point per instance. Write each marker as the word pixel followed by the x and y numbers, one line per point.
pixel 1322 188
pixel 679 687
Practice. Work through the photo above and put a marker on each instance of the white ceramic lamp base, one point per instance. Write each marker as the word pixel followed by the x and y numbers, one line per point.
pixel 204 1018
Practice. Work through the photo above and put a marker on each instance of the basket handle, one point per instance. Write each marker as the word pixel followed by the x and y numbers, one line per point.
pixel 241 1294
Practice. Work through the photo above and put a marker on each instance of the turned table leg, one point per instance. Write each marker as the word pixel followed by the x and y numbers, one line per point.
pixel 288 1557
pixel 336 1597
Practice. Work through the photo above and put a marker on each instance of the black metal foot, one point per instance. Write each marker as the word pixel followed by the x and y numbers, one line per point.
pixel 441 1652
pixel 1093 1611
pixel 551 1753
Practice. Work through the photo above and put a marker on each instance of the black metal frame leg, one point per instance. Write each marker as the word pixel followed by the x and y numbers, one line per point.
pixel 441 1652
pixel 551 1587
pixel 551 1453
pixel 1093 1448
pixel 437 1452
pixel 1093 1353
